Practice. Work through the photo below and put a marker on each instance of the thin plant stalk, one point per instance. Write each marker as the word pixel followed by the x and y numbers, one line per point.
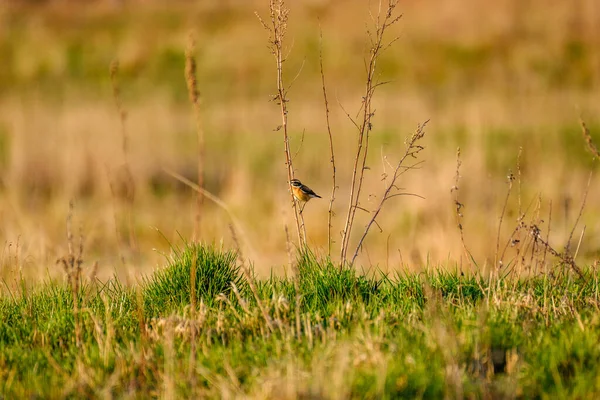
pixel 192 85
pixel 365 126
pixel 459 206
pixel 125 176
pixel 277 29
pixel 332 159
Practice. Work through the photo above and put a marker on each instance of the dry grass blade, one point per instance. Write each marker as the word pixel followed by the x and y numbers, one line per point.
pixel 236 223
pixel 585 194
pixel 588 139
pixel 192 86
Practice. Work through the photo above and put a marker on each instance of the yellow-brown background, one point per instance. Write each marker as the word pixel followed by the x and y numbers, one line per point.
pixel 492 77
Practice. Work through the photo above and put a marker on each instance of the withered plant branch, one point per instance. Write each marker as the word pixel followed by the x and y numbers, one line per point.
pixel 365 126
pixel 348 115
pixel 458 206
pixel 72 265
pixel 412 149
pixel 564 258
pixel 122 184
pixel 585 194
pixel 588 139
pixel 520 206
pixel 497 262
pixel 513 240
pixel 297 75
pixel 277 27
pixel 114 71
pixel 236 244
pixel 235 222
pixel 194 94
pixel 332 153
pixel 548 232
pixel 300 145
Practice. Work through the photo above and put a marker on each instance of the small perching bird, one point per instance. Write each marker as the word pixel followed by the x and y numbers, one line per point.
pixel 302 192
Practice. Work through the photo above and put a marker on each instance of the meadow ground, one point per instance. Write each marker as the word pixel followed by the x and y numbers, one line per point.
pixel 328 334
pixel 483 284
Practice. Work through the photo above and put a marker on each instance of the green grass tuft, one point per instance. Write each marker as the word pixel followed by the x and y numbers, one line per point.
pixel 169 289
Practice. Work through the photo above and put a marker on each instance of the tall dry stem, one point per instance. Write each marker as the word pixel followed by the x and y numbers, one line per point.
pixel 333 183
pixel 72 266
pixel 459 206
pixel 192 86
pixel 277 28
pixel 122 184
pixel 377 46
pixel 588 139
pixel 497 261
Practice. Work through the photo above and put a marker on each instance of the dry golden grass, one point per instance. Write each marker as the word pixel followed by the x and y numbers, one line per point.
pixel 492 79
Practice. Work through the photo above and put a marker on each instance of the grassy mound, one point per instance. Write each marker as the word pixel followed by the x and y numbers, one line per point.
pixel 169 289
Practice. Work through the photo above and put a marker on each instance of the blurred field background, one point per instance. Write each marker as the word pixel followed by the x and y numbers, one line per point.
pixel 492 77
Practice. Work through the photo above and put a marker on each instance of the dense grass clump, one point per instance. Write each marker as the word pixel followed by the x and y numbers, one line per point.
pixel 322 283
pixel 169 289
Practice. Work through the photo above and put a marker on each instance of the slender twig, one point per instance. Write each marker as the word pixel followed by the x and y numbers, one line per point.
pixel 587 189
pixel 114 71
pixel 214 199
pixel 564 257
pixel 497 262
pixel 125 175
pixel 459 206
pixel 277 29
pixel 588 139
pixel 332 160
pixel 192 85
pixel 72 266
pixel 300 145
pixel 365 126
pixel 548 232
pixel 412 149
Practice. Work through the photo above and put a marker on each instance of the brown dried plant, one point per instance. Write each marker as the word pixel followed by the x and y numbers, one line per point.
pixel 459 206
pixel 192 86
pixel 72 266
pixel 333 183
pixel 122 184
pixel 392 190
pixel 383 21
pixel 277 27
pixel 510 178
pixel 588 139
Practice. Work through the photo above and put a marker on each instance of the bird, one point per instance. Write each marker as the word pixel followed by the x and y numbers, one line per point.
pixel 302 192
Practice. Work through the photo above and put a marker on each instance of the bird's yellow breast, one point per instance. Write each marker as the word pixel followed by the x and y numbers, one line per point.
pixel 299 194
